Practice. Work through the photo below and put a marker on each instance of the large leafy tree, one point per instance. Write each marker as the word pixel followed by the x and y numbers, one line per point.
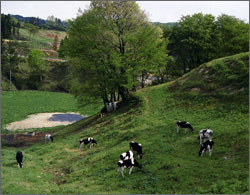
pixel 192 40
pixel 108 47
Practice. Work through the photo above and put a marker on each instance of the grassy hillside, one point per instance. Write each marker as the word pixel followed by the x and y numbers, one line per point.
pixel 171 164
pixel 43 39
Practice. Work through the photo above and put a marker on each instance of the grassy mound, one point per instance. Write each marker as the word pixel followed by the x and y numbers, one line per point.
pixel 170 164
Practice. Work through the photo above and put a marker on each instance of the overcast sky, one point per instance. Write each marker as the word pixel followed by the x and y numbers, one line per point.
pixel 158 11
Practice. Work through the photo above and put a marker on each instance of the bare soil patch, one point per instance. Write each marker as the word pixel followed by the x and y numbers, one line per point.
pixel 45 120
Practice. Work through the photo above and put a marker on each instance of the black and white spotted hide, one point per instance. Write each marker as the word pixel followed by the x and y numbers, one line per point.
pixel 207 145
pixel 205 134
pixel 127 163
pixel 128 154
pixel 89 140
pixel 49 137
pixel 136 147
pixel 183 124
pixel 19 158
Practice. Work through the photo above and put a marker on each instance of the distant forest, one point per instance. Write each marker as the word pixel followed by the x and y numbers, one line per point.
pixel 11 24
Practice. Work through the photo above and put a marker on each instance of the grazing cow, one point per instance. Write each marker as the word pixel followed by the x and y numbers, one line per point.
pixel 89 140
pixel 205 134
pixel 206 145
pixel 185 125
pixel 128 154
pixel 49 137
pixel 136 147
pixel 127 163
pixel 19 158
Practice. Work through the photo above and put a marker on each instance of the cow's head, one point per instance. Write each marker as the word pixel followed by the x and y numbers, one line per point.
pixel 94 141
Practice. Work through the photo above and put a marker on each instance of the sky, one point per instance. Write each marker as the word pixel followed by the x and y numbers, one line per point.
pixel 157 11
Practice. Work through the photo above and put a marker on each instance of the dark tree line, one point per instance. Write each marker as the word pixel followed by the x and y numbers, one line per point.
pixel 9 27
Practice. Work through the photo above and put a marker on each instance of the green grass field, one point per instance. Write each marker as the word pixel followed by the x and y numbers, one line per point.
pixel 17 105
pixel 170 164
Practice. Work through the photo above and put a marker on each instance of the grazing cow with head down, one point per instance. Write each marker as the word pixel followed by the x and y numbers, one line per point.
pixel 185 125
pixel 136 147
pixel 49 137
pixel 205 134
pixel 207 145
pixel 128 154
pixel 19 158
pixel 127 163
pixel 89 140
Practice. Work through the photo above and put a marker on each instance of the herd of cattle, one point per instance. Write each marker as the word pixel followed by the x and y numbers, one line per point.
pixel 203 135
pixel 127 159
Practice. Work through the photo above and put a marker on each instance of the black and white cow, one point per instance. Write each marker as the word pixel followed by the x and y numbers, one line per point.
pixel 89 140
pixel 207 145
pixel 136 147
pixel 205 134
pixel 19 158
pixel 128 154
pixel 109 107
pixel 49 137
pixel 127 163
pixel 184 124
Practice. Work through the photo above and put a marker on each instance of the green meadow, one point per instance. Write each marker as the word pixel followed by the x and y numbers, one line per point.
pixel 170 164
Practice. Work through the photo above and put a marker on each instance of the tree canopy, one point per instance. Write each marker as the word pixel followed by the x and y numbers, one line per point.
pixel 112 44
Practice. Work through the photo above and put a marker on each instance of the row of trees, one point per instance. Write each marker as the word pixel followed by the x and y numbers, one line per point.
pixel 9 27
pixel 14 65
pixel 200 38
pixel 112 45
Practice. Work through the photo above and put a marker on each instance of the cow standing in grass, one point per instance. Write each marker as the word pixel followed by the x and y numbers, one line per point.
pixel 184 124
pixel 49 137
pixel 89 140
pixel 19 158
pixel 205 134
pixel 207 145
pixel 127 163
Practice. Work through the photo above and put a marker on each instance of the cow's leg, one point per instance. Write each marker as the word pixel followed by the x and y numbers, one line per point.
pixel 202 152
pixel 177 129
pixel 185 130
pixel 200 139
pixel 122 168
pixel 81 146
pixel 210 151
pixel 130 170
